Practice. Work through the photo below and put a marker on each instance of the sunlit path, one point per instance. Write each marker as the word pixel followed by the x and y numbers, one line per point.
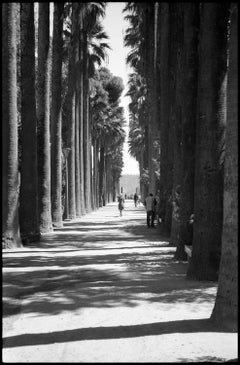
pixel 106 288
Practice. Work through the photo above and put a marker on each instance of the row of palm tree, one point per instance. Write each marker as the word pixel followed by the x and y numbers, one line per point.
pixel 60 151
pixel 183 113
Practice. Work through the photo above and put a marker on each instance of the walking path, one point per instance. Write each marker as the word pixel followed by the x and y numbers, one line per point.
pixel 105 288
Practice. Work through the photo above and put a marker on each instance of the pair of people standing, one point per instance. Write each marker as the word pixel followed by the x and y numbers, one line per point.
pixel 150 205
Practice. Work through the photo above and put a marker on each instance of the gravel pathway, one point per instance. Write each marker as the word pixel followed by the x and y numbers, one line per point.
pixel 105 288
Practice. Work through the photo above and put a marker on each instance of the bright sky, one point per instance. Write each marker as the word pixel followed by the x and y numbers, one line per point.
pixel 114 26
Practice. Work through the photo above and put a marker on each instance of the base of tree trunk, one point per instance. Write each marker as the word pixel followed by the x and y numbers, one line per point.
pixel 180 253
pixel 57 224
pixel 224 323
pixel 9 242
pixel 208 275
pixel 32 237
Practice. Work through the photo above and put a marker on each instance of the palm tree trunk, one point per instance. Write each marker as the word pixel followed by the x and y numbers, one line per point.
pixel 101 175
pixel 10 220
pixel 43 118
pixel 86 132
pixel 56 117
pixel 226 307
pixel 71 178
pixel 77 132
pixel 165 135
pixel 28 208
pixel 81 136
pixel 208 196
pixel 176 113
pixel 189 93
pixel 71 102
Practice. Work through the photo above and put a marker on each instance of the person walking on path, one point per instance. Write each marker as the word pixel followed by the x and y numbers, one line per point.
pixel 120 204
pixel 150 203
pixel 135 197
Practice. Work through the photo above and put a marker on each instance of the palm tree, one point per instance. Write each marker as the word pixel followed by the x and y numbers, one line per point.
pixel 166 159
pixel 10 223
pixel 189 92
pixel 226 307
pixel 208 195
pixel 93 51
pixel 43 118
pixel 28 189
pixel 56 116
pixel 137 116
pixel 176 64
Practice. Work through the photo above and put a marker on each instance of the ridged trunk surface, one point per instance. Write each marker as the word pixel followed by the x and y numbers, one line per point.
pixel 226 306
pixel 165 135
pixel 43 119
pixel 28 208
pixel 176 113
pixel 56 117
pixel 189 113
pixel 10 220
pixel 86 131
pixel 211 121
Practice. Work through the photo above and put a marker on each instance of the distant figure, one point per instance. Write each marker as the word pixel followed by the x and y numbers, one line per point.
pixel 150 203
pixel 135 198
pixel 120 204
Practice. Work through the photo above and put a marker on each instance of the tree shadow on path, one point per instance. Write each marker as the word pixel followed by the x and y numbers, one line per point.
pixel 114 332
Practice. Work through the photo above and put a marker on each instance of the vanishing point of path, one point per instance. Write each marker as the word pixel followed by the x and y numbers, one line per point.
pixel 105 288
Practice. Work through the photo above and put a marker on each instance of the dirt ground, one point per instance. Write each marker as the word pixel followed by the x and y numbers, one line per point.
pixel 106 288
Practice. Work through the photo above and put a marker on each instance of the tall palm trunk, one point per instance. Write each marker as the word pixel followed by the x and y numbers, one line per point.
pixel 56 117
pixel 101 175
pixel 71 143
pixel 71 103
pixel 10 221
pixel 176 113
pixel 211 120
pixel 81 136
pixel 226 307
pixel 165 135
pixel 150 72
pixel 43 118
pixel 189 94
pixel 77 131
pixel 86 131
pixel 28 209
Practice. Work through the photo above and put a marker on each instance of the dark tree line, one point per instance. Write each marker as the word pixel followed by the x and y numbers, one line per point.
pixel 56 151
pixel 183 110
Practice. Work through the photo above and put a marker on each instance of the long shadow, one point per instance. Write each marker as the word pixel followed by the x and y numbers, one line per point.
pixel 114 332
pixel 57 284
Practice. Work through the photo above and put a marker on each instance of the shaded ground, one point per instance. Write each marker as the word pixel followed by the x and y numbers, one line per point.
pixel 105 288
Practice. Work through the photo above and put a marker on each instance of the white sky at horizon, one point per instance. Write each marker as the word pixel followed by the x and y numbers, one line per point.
pixel 114 25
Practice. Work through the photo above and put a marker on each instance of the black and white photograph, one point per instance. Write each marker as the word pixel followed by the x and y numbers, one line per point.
pixel 120 182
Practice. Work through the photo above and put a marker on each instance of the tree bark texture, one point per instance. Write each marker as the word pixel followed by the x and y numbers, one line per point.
pixel 189 113
pixel 28 208
pixel 176 113
pixel 165 138
pixel 86 131
pixel 10 219
pixel 56 117
pixel 211 120
pixel 226 307
pixel 43 120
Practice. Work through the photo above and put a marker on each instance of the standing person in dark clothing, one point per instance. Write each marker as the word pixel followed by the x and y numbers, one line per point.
pixel 135 197
pixel 150 203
